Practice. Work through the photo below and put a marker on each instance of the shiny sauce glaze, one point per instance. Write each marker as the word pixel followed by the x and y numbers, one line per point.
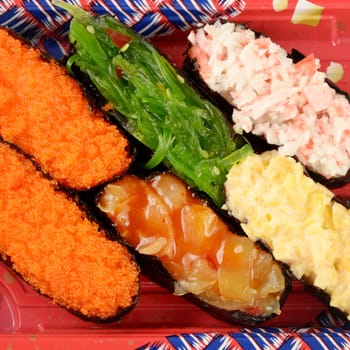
pixel 160 216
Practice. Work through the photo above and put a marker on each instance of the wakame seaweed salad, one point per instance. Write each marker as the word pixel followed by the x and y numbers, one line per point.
pixel 154 103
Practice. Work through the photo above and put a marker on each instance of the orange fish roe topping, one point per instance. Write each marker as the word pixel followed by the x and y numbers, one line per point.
pixel 44 112
pixel 56 249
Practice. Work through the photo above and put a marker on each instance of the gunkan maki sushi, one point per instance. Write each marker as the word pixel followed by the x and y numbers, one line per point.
pixel 285 100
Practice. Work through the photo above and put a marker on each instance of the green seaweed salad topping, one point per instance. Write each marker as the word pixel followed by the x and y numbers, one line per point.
pixel 185 132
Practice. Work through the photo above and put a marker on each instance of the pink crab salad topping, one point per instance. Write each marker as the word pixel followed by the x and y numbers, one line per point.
pixel 289 104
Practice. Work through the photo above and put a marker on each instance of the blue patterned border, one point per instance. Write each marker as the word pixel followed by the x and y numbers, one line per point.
pixel 47 26
pixel 257 338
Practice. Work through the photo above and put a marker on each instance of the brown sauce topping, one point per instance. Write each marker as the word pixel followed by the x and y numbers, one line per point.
pixel 162 217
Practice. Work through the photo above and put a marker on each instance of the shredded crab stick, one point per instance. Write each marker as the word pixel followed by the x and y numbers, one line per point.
pixel 50 243
pixel 296 218
pixel 161 217
pixel 289 104
pixel 44 112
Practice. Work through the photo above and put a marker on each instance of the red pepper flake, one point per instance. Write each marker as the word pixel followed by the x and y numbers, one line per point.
pixel 119 72
pixel 119 39
pixel 253 310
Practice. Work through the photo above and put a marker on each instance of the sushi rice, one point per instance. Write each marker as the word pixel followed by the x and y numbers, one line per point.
pixel 289 104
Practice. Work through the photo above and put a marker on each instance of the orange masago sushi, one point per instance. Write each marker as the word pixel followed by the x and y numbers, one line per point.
pixel 45 113
pixel 49 241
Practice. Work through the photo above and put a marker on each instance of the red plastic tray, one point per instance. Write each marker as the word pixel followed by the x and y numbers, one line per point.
pixel 31 321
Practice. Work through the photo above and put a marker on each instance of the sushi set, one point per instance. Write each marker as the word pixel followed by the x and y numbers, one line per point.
pixel 174 174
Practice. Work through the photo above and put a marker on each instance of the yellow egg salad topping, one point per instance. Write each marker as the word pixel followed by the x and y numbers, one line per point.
pixel 296 218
